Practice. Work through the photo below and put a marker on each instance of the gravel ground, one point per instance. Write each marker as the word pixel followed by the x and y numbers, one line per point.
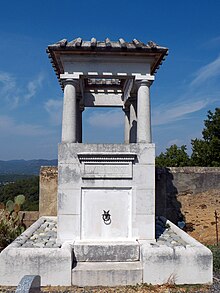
pixel 168 288
pixel 216 283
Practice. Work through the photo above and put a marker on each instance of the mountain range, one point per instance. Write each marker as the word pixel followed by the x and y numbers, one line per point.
pixel 29 167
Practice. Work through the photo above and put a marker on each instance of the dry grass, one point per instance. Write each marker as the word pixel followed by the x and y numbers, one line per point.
pixel 144 288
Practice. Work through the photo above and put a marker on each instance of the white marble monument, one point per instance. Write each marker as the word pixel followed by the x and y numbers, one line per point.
pixel 114 178
pixel 106 192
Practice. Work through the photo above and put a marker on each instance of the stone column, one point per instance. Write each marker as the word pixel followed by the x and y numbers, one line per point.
pixel 133 122
pixel 69 133
pixel 143 112
pixel 127 125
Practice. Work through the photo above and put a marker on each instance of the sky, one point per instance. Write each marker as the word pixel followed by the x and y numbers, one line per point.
pixel 186 86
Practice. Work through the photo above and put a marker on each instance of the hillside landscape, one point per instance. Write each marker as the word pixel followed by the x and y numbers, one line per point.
pixel 22 177
pixel 23 167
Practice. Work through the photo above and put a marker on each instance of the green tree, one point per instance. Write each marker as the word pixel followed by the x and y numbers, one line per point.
pixel 173 157
pixel 206 151
pixel 29 187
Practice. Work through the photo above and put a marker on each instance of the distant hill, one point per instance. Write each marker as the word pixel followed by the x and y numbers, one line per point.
pixel 23 167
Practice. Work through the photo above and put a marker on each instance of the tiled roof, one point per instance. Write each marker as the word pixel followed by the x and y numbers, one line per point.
pixel 107 46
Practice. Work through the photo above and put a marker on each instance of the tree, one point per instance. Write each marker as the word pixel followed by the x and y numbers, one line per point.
pixel 29 187
pixel 173 157
pixel 206 151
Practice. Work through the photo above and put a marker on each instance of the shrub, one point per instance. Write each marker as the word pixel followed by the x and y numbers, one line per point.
pixel 11 224
pixel 216 257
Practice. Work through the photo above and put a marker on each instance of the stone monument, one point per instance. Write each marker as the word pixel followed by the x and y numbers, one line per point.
pixel 104 233
pixel 106 181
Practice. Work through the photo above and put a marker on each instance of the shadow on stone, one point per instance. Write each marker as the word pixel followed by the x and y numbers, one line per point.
pixel 74 262
pixel 160 226
pixel 167 203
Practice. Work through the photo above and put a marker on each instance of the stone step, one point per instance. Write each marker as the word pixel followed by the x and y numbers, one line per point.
pixel 115 251
pixel 107 273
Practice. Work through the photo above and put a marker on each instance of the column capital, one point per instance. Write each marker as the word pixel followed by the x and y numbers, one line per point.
pixel 71 81
pixel 144 82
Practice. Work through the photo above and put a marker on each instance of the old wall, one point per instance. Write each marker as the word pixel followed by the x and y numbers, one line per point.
pixel 191 194
pixel 29 217
pixel 48 191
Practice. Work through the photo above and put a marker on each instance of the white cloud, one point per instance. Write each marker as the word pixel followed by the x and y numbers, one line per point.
pixel 206 72
pixel 106 119
pixel 8 89
pixel 177 111
pixel 197 96
pixel 54 108
pixel 9 126
pixel 13 93
pixel 32 87
pixel 212 43
pixel 7 81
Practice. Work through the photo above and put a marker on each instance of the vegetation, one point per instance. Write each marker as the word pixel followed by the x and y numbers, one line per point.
pixel 11 224
pixel 216 257
pixel 205 152
pixel 174 156
pixel 9 178
pixel 29 187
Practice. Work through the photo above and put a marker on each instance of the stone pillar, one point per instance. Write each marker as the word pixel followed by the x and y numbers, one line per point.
pixel 143 112
pixel 133 122
pixel 69 133
pixel 127 125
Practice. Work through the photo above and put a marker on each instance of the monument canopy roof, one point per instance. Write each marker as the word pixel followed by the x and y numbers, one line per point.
pixel 121 48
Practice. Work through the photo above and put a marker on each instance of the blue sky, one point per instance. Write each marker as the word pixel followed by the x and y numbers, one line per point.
pixel 186 86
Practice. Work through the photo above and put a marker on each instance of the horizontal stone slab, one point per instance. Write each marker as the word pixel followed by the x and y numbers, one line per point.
pixel 107 251
pixel 107 273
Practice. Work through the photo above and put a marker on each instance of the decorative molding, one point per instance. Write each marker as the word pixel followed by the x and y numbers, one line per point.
pixel 107 165
pixel 106 157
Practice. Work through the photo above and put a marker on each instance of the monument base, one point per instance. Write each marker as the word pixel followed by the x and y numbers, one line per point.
pixel 107 274
pixel 106 192
pixel 175 257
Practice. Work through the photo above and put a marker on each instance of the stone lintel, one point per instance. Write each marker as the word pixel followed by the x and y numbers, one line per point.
pixel 103 99
pixel 106 165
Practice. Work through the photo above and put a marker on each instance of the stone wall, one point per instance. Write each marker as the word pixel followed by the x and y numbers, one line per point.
pixel 191 194
pixel 29 217
pixel 48 191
